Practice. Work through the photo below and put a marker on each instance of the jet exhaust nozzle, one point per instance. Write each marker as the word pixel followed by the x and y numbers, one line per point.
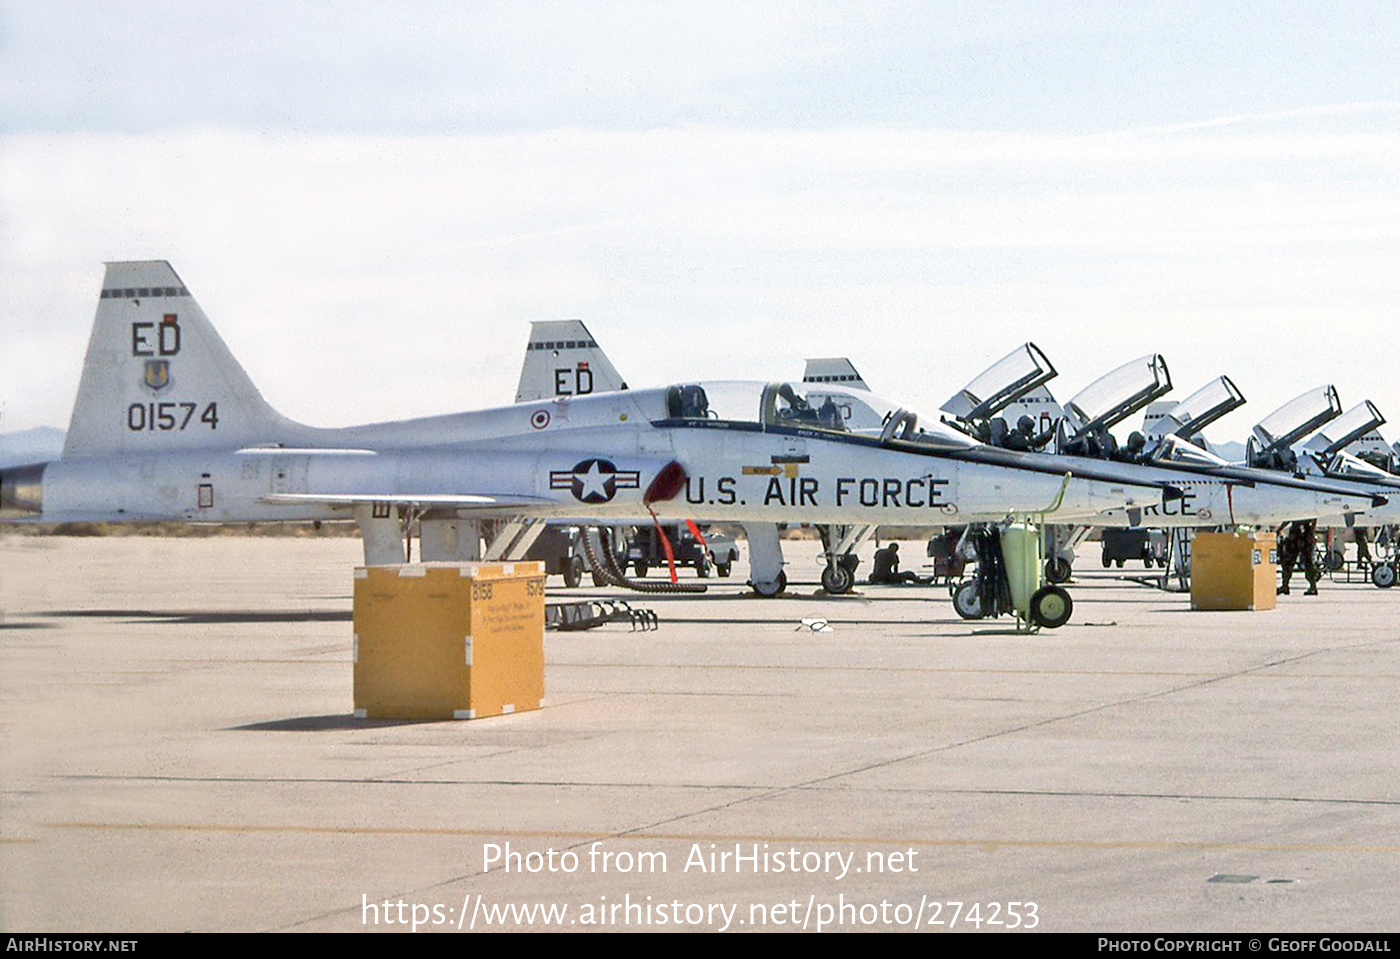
pixel 22 488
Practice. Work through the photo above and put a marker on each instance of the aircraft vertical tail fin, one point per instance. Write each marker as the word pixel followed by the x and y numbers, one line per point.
pixel 1155 415
pixel 157 377
pixel 1039 404
pixel 833 370
pixel 563 359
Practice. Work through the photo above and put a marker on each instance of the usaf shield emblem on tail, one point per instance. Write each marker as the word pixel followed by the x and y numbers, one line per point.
pixel 157 375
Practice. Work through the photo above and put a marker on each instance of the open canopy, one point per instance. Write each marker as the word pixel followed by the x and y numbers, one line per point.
pixel 1117 395
pixel 1346 429
pixel 1001 384
pixel 1203 407
pixel 1295 419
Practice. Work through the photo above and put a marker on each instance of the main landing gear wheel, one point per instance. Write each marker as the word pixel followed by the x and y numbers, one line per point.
pixel 769 590
pixel 573 571
pixel 1057 569
pixel 722 569
pixel 837 579
pixel 1383 575
pixel 1051 607
pixel 967 600
pixel 1333 560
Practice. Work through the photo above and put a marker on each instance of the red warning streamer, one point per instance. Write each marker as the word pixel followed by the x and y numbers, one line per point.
pixel 665 544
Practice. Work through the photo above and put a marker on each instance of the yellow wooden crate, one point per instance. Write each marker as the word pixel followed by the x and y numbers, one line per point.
pixel 448 640
pixel 1233 570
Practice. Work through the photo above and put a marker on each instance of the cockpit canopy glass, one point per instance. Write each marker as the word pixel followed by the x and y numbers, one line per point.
pixel 1347 428
pixel 1297 418
pixel 1117 395
pixel 1174 449
pixel 1344 464
pixel 825 407
pixel 1012 376
pixel 1200 409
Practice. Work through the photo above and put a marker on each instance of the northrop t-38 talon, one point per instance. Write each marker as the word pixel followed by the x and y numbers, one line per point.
pixel 167 426
pixel 1213 492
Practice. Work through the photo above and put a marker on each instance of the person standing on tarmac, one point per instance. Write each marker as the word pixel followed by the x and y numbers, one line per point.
pixel 1296 547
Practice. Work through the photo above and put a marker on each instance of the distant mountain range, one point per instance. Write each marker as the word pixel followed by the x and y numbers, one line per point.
pixel 31 446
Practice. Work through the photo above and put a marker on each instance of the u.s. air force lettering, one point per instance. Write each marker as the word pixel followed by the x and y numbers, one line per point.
pixel 594 480
pixel 883 492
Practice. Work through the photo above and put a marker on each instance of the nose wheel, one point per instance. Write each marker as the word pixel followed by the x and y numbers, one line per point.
pixel 837 579
pixel 1057 569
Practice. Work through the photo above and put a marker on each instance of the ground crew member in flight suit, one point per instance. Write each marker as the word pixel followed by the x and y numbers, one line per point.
pixel 886 569
pixel 1363 552
pixel 1296 547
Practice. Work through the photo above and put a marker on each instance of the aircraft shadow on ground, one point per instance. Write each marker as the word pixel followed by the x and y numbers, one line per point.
pixel 342 721
pixel 208 617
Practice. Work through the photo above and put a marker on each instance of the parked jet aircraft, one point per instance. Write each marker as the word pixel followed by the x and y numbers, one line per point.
pixel 563 359
pixel 1217 492
pixel 1334 453
pixel 167 426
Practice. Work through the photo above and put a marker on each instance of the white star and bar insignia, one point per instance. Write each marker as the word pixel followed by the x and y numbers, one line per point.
pixel 594 480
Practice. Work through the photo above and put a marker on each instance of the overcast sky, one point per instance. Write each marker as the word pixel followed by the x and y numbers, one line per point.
pixel 372 201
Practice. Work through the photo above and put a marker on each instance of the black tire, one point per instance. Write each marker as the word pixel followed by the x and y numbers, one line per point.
pixel 702 568
pixel 573 571
pixel 968 602
pixel 641 570
pixel 723 569
pixel 1383 575
pixel 837 579
pixel 1120 563
pixel 1106 561
pixel 1051 607
pixel 1058 569
pixel 1333 560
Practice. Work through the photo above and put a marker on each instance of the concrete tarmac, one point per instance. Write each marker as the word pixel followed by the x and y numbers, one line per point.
pixel 177 752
